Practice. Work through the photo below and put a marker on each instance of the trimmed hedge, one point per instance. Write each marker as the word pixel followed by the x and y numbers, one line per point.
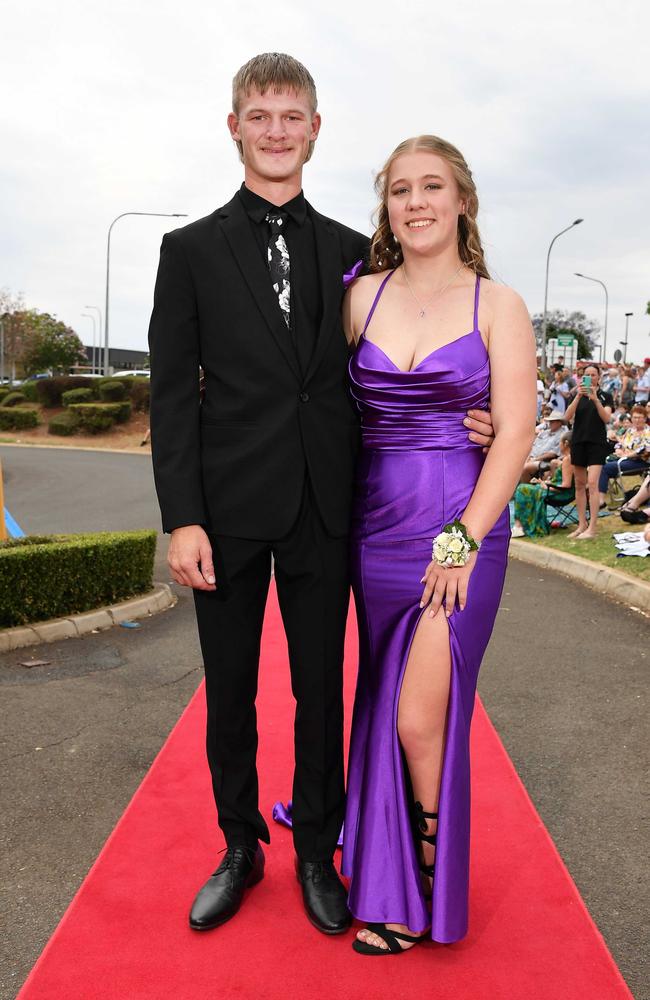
pixel 112 392
pixel 50 389
pixel 4 391
pixel 13 398
pixel 52 576
pixel 77 396
pixel 28 390
pixel 97 417
pixel 65 424
pixel 17 419
pixel 140 390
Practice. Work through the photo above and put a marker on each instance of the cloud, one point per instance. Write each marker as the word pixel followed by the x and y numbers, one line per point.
pixel 118 107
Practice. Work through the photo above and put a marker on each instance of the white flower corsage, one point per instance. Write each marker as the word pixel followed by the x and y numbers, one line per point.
pixel 453 545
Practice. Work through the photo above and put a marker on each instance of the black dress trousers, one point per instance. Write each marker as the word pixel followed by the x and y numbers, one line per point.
pixel 311 573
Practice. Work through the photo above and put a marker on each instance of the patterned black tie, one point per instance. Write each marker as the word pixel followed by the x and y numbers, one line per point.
pixel 279 264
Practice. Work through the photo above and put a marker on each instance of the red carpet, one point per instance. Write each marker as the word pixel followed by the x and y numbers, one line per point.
pixel 125 935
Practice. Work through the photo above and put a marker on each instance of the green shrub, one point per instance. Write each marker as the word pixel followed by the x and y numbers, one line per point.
pixel 140 393
pixel 93 418
pixel 52 576
pixel 50 389
pixel 77 396
pixel 4 391
pixel 28 390
pixel 124 412
pixel 13 398
pixel 64 424
pixel 97 417
pixel 17 419
pixel 112 391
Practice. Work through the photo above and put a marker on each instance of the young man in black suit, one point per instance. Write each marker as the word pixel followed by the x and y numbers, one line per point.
pixel 262 468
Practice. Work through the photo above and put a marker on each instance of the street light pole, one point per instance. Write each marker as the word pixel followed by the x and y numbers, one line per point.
pixel 548 258
pixel 624 342
pixel 599 282
pixel 90 316
pixel 99 339
pixel 167 215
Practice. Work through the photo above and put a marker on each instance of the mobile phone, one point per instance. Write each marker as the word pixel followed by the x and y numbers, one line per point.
pixel 586 381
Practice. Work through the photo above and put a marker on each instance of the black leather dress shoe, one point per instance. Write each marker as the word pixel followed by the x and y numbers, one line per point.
pixel 222 894
pixel 324 896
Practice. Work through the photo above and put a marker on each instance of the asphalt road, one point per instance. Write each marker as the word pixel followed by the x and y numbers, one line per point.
pixel 564 681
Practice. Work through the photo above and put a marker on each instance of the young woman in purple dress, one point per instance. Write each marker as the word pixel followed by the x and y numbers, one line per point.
pixel 434 336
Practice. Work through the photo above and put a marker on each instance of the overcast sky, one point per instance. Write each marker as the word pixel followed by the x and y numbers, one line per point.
pixel 112 106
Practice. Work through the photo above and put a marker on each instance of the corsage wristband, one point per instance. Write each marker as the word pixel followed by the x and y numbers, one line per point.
pixel 453 545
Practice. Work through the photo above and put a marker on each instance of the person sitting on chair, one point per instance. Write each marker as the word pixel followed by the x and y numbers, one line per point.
pixel 531 498
pixel 631 454
pixel 546 447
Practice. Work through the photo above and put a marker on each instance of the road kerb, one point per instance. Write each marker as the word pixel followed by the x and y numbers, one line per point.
pixel 610 582
pixel 158 599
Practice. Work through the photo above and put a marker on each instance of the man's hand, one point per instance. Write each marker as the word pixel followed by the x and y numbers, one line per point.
pixel 480 425
pixel 190 558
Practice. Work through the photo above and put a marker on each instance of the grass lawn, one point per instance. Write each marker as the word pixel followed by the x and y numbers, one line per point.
pixel 600 549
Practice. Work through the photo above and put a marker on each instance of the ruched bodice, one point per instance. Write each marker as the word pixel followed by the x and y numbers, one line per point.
pixel 424 408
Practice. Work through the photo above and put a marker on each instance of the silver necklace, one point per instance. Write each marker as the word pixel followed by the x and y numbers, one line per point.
pixel 424 306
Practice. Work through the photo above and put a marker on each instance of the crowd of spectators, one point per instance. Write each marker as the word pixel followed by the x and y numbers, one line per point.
pixel 593 430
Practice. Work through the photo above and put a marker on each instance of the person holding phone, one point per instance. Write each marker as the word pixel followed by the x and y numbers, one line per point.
pixel 590 410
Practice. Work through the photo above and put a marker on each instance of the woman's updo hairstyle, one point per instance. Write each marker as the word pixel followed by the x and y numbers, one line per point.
pixel 385 251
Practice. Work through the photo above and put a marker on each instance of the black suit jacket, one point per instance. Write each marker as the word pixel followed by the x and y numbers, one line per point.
pixel 236 462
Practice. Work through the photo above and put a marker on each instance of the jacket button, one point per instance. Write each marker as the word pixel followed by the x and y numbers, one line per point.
pixel 304 397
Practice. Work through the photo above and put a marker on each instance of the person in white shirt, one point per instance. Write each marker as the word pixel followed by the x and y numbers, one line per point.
pixel 546 446
pixel 540 397
pixel 643 384
pixel 559 392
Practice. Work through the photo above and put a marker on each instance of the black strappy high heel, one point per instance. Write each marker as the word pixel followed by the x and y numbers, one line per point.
pixel 420 818
pixel 392 939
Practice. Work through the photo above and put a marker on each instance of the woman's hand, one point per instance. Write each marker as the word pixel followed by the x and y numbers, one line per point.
pixel 446 583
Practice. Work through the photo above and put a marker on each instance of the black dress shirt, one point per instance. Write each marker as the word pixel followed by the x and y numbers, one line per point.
pixel 306 298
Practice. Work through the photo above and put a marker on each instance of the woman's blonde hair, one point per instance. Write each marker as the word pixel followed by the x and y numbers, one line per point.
pixel 385 251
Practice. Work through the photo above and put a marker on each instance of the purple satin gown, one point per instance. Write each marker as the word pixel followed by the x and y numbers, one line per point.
pixel 416 473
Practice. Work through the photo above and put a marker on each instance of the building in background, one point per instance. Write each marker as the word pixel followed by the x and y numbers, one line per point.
pixel 119 359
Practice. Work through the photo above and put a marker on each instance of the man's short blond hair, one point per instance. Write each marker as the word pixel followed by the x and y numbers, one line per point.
pixel 276 71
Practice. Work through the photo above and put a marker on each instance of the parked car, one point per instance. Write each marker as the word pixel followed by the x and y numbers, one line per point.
pixel 133 371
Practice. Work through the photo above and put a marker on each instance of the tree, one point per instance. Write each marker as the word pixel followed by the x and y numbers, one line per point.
pixel 9 305
pixel 48 343
pixel 587 331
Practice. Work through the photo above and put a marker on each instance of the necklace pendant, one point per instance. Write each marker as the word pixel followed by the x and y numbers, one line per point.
pixel 421 313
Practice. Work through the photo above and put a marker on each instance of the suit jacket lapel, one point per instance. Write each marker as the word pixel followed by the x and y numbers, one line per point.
pixel 236 228
pixel 328 248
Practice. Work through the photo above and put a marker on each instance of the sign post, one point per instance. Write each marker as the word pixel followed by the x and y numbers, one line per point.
pixel 565 345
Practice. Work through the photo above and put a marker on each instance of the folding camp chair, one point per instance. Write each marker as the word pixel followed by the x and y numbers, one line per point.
pixel 562 512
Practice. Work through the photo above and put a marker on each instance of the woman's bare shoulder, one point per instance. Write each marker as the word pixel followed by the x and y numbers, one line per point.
pixel 366 285
pixel 358 300
pixel 501 298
